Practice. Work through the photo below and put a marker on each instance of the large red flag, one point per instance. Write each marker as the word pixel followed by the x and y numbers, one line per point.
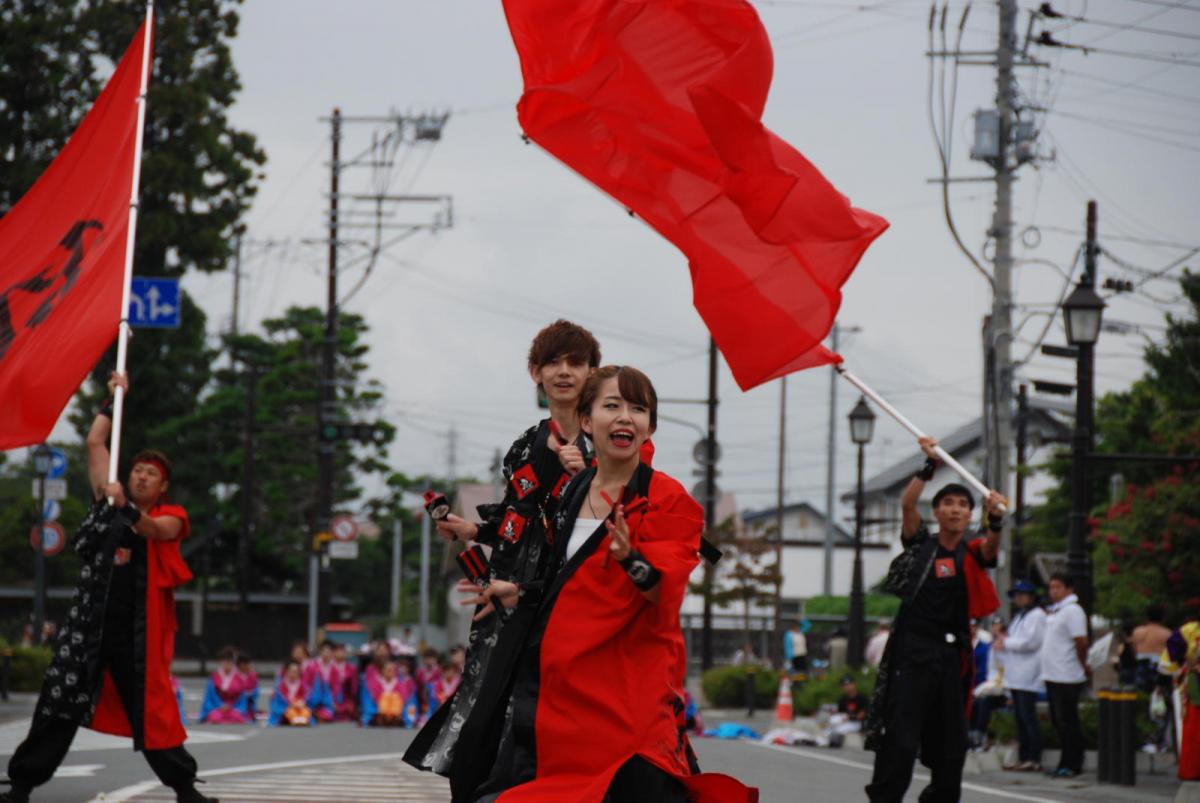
pixel 62 256
pixel 659 103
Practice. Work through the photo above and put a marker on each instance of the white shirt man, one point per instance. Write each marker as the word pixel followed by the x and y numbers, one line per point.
pixel 1065 622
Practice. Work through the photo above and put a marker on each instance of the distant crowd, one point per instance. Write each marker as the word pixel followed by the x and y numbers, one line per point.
pixel 387 684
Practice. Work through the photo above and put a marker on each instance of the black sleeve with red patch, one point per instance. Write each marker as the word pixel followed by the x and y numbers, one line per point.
pixel 493 514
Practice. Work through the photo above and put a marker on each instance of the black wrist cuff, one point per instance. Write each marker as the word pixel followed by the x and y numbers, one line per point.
pixel 106 408
pixel 131 513
pixel 644 576
pixel 995 523
pixel 926 472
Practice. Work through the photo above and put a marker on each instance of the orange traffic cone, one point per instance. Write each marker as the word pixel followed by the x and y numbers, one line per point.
pixel 783 703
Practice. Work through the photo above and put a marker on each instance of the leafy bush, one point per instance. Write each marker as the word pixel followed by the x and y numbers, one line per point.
pixel 811 694
pixel 873 605
pixel 1003 725
pixel 29 664
pixel 725 687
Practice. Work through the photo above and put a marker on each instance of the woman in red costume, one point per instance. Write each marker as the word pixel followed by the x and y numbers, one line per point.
pixel 111 669
pixel 604 665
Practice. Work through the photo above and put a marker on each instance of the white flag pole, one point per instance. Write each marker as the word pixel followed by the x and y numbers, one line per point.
pixel 124 331
pixel 911 427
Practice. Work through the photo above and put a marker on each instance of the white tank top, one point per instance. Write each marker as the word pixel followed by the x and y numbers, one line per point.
pixel 579 536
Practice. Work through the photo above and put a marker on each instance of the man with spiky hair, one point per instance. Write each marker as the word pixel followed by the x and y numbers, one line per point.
pixel 111 668
pixel 458 740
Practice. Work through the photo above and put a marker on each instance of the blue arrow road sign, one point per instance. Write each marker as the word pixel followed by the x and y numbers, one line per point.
pixel 154 303
pixel 58 464
pixel 52 510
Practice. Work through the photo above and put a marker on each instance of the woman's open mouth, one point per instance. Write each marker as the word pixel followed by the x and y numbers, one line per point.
pixel 622 438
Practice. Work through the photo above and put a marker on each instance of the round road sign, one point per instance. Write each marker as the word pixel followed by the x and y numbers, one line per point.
pixel 52 539
pixel 344 528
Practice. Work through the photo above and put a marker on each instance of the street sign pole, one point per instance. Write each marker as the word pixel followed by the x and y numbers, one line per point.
pixel 39 565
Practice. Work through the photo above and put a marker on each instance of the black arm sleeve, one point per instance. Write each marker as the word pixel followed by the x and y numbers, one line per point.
pixel 493 514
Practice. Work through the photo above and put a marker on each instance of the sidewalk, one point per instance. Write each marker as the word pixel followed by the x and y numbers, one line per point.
pixel 1156 779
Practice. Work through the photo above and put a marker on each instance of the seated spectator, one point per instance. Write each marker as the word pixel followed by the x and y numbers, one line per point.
pixel 389 698
pixel 319 675
pixel 692 720
pixel 179 699
pixel 446 683
pixel 249 699
pixel 343 683
pixel 300 654
pixel 294 701
pixel 381 655
pixel 406 644
pixel 852 708
pixel 223 694
pixel 430 667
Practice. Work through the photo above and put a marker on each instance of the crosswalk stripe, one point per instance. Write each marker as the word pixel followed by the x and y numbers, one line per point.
pixel 377 781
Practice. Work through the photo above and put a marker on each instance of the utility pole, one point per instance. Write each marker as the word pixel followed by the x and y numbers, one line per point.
pixel 397 565
pixel 1002 263
pixel 327 405
pixel 1018 547
pixel 710 505
pixel 414 130
pixel 778 644
pixel 247 529
pixel 830 471
pixel 423 603
pixel 237 282
pixel 452 457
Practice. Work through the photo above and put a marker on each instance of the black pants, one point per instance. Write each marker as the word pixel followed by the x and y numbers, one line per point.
pixel 1029 733
pixel 639 781
pixel 1064 713
pixel 925 715
pixel 49 739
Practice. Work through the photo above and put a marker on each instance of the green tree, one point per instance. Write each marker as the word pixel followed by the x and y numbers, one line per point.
pixel 1145 542
pixel 284 365
pixel 744 575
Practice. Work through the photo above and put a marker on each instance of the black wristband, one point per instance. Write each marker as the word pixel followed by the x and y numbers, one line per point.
pixel 926 472
pixel 106 409
pixel 995 523
pixel 640 572
pixel 131 513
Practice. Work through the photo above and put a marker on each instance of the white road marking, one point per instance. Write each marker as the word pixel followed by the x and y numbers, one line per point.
pixel 13 733
pixel 78 771
pixel 845 762
pixel 298 780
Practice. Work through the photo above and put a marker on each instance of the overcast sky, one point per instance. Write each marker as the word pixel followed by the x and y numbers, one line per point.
pixel 452 314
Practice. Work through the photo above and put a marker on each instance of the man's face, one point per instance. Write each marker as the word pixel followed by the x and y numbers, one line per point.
pixel 953 513
pixel 146 484
pixel 1057 591
pixel 1023 599
pixel 562 379
pixel 849 688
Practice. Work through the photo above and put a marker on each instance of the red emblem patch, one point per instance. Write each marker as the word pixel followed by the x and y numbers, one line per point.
pixel 556 491
pixel 122 556
pixel 511 526
pixel 944 567
pixel 524 481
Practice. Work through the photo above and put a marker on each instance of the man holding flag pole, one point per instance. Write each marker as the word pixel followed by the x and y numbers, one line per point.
pixel 66 266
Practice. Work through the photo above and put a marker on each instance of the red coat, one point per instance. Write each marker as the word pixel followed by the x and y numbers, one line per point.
pixel 165 569
pixel 612 665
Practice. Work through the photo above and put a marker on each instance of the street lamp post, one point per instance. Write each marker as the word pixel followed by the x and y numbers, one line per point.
pixel 43 459
pixel 862 427
pixel 1082 312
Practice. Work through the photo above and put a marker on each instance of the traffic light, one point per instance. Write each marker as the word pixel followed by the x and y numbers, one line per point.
pixel 347 431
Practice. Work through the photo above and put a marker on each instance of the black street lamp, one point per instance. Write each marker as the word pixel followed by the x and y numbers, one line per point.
pixel 43 461
pixel 862 427
pixel 1082 312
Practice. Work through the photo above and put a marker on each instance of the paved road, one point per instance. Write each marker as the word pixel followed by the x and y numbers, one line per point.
pixel 345 763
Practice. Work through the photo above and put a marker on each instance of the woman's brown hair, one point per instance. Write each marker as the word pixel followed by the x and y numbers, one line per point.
pixel 633 385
